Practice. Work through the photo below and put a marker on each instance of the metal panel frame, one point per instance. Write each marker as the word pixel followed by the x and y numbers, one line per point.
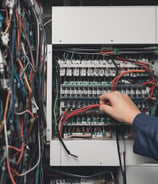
pixel 49 93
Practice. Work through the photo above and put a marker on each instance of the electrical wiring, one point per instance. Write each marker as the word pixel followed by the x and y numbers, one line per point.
pixel 23 48
pixel 147 69
pixel 19 30
pixel 6 10
pixel 47 22
pixel 120 162
pixel 124 158
pixel 23 143
pixel 64 118
pixel 1 109
pixel 8 25
pixel 30 50
pixel 104 172
pixel 55 103
pixel 38 161
pixel 82 53
pixel 7 153
pixel 111 51
pixel 116 79
pixel 143 64
pixel 31 120
pixel 36 165
pixel 27 84
pixel 83 109
pixel 5 112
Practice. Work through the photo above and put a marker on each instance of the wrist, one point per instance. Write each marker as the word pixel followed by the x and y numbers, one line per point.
pixel 133 117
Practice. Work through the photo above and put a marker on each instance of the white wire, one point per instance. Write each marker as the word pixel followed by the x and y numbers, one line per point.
pixel 6 142
pixel 26 57
pixel 39 158
pixel 39 150
pixel 50 20
pixel 112 175
pixel 21 113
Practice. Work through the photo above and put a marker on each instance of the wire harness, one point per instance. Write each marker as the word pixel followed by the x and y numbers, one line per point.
pixel 22 94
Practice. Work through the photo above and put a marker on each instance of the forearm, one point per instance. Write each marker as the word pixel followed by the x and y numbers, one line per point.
pixel 146 140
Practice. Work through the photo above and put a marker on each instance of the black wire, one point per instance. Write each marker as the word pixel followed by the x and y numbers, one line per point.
pixel 41 112
pixel 119 155
pixel 117 68
pixel 57 86
pixel 76 175
pixel 66 149
pixel 124 157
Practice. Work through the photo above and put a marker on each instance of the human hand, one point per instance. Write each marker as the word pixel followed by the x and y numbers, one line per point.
pixel 121 106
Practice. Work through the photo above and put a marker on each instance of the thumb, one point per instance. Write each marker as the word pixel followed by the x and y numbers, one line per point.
pixel 107 109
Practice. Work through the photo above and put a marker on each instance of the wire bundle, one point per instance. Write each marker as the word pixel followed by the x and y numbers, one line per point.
pixel 152 82
pixel 22 62
pixel 65 117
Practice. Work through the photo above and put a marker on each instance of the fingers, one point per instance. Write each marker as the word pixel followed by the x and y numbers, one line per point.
pixel 121 106
pixel 104 97
pixel 109 96
pixel 107 109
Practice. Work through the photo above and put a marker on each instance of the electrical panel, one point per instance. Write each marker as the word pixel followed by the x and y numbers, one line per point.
pixel 83 78
pixel 92 54
pixel 97 50
pixel 83 63
pixel 79 76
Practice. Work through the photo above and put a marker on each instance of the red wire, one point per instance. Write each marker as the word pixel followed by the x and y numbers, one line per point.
pixel 148 82
pixel 83 109
pixel 9 170
pixel 21 153
pixel 106 52
pixel 15 148
pixel 63 116
pixel 141 64
pixel 135 61
pixel 6 10
pixel 23 143
pixel 15 171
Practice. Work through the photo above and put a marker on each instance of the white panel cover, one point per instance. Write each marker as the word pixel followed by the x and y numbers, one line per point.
pixel 93 153
pixel 104 25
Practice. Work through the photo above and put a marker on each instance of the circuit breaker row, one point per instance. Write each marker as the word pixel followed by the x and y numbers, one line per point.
pixel 72 103
pixel 93 89
pixel 86 120
pixel 96 131
pixel 82 81
pixel 96 72
pixel 96 68
pixel 99 63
